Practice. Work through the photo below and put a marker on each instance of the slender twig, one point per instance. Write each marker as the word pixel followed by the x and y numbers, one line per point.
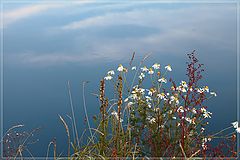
pixel 68 134
pixel 73 115
pixel 182 150
pixel 85 108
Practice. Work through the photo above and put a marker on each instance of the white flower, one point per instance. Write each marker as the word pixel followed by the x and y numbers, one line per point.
pixel 180 109
pixel 134 96
pixel 188 120
pixel 141 90
pixel 126 100
pixel 203 110
pixel 134 68
pixel 156 66
pixel 213 93
pixel 150 71
pixel 235 124
pixel 201 90
pixel 144 69
pixel 141 76
pixel 184 84
pixel 161 96
pixel 238 130
pixel 194 111
pixel 207 114
pixel 174 99
pixel 149 105
pixel 168 68
pixel 111 72
pixel 206 88
pixel 153 120
pixel 114 113
pixel 108 77
pixel 150 93
pixel 148 98
pixel 120 68
pixel 181 88
pixel 162 80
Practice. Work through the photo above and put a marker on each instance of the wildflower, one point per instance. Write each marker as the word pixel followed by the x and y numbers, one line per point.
pixel 172 99
pixel 114 113
pixel 162 80
pixel 134 96
pixel 161 96
pixel 173 88
pixel 206 88
pixel 209 139
pixel 184 84
pixel 204 141
pixel 238 130
pixel 144 69
pixel 200 90
pixel 180 109
pixel 150 71
pixel 141 76
pixel 213 93
pixel 190 89
pixel 203 110
pixel 181 88
pixel 156 66
pixel 141 90
pixel 149 105
pixel 194 111
pixel 108 77
pixel 111 72
pixel 188 120
pixel 235 124
pixel 148 98
pixel 152 120
pixel 134 68
pixel 207 114
pixel 150 93
pixel 168 68
pixel 120 68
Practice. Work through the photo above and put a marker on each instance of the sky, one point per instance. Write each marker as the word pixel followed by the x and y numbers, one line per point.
pixel 47 44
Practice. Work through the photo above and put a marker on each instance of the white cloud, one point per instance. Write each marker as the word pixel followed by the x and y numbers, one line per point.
pixel 180 31
pixel 24 12
pixel 52 59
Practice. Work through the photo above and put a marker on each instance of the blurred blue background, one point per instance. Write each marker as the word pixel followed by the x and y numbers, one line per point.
pixel 47 44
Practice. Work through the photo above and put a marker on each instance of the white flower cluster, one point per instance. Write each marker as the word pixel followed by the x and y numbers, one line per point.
pixel 235 125
pixel 115 114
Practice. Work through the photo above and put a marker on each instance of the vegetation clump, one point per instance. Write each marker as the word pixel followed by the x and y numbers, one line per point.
pixel 149 115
